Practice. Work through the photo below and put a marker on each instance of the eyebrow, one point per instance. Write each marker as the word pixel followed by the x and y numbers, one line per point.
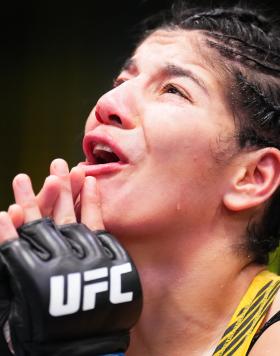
pixel 170 70
pixel 173 70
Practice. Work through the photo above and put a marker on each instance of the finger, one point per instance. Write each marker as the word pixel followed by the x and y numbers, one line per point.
pixel 16 214
pixel 77 178
pixel 7 229
pixel 48 195
pixel 90 205
pixel 25 197
pixel 78 208
pixel 63 212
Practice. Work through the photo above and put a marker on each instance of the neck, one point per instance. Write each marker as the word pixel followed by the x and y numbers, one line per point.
pixel 186 282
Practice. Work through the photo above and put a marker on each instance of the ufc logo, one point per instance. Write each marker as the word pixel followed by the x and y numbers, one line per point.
pixel 71 303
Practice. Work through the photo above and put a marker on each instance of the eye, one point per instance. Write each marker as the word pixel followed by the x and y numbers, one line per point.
pixel 173 89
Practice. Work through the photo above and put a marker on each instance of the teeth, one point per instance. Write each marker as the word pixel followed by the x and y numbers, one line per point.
pixel 104 154
pixel 101 147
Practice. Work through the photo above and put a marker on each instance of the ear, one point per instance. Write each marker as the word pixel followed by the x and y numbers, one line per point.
pixel 255 180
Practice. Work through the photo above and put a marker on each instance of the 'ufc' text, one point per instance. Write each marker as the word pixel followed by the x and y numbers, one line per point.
pixel 77 285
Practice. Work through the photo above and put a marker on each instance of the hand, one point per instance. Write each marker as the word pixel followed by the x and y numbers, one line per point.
pixel 55 195
pixel 103 299
pixel 42 253
pixel 5 298
pixel 54 199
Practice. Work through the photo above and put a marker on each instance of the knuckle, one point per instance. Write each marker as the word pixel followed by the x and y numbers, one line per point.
pixel 29 204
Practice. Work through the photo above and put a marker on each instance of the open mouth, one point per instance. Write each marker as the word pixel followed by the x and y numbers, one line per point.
pixel 102 151
pixel 103 154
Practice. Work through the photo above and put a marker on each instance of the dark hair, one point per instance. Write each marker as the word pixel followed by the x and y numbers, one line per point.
pixel 249 44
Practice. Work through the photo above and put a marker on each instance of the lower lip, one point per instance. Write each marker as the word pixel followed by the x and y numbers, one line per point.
pixel 102 169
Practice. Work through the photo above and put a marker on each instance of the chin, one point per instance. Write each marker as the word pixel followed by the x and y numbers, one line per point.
pixel 133 213
pixel 131 225
pixel 116 220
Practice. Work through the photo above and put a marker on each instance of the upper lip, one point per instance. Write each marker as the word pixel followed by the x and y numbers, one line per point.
pixel 93 138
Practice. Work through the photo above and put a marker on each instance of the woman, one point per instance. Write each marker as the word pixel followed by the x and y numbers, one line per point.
pixel 183 167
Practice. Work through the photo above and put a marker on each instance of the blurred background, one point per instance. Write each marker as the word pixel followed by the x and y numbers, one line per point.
pixel 57 58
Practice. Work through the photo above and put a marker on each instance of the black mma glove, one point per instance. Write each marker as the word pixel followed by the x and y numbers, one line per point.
pixel 5 299
pixel 5 295
pixel 75 292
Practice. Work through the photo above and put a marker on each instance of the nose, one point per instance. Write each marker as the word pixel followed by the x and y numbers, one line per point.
pixel 118 107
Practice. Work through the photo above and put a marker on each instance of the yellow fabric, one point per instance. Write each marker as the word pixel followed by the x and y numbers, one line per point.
pixel 249 315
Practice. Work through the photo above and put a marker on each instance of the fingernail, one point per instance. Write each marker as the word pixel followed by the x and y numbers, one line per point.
pixel 22 182
pixel 60 167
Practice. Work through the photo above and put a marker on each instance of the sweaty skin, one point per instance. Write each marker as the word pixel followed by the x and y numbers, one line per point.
pixel 179 211
pixel 172 113
pixel 169 129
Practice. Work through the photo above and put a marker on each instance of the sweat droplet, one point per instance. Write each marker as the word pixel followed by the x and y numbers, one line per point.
pixel 178 206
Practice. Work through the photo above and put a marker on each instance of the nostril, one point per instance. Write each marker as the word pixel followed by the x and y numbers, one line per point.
pixel 115 118
pixel 106 119
pixel 98 117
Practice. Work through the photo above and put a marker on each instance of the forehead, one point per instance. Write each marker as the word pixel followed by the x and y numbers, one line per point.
pixel 184 48
pixel 176 45
pixel 188 51
pixel 180 41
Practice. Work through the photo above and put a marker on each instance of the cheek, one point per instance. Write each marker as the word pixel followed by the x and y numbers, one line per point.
pixel 91 121
pixel 179 146
pixel 173 184
pixel 151 200
pixel 144 204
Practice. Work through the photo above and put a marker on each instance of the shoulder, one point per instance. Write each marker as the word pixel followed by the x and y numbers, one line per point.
pixel 269 341
pixel 275 307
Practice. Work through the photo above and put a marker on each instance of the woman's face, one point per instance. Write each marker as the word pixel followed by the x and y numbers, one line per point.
pixel 164 120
